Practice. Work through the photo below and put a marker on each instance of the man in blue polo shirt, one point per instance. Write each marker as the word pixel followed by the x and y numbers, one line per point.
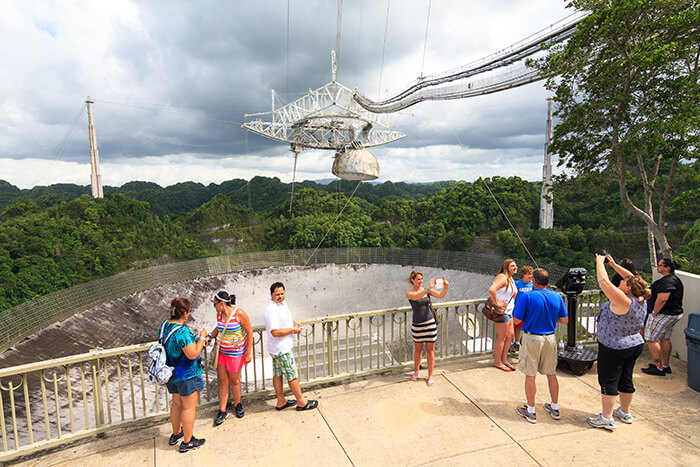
pixel 539 311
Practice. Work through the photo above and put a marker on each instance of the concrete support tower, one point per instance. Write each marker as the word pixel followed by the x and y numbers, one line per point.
pixel 546 200
pixel 95 177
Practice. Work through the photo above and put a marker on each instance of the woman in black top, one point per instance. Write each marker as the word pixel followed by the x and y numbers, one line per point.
pixel 424 328
pixel 666 308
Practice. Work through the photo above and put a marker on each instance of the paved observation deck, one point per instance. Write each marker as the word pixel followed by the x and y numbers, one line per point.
pixel 467 418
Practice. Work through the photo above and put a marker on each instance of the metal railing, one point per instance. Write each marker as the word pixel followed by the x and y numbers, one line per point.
pixel 29 317
pixel 54 402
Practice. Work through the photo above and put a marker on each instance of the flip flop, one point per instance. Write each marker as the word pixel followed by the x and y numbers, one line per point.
pixel 431 382
pixel 310 404
pixel 503 368
pixel 414 378
pixel 289 403
pixel 512 368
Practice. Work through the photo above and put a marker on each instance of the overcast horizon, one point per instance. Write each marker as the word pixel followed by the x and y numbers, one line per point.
pixel 171 82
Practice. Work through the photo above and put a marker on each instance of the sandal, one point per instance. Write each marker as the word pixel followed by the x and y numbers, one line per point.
pixel 512 368
pixel 502 368
pixel 431 382
pixel 289 403
pixel 414 377
pixel 310 404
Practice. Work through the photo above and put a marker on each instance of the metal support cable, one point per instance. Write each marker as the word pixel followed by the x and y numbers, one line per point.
pixel 336 220
pixel 425 41
pixel 386 28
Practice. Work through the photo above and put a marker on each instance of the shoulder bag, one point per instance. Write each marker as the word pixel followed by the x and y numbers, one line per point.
pixel 494 311
pixel 436 316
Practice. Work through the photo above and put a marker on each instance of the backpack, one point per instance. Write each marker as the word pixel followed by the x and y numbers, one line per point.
pixel 158 371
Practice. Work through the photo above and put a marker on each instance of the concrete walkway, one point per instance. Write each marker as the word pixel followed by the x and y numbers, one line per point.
pixel 467 418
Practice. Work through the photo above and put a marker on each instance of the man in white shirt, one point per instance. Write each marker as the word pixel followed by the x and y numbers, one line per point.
pixel 280 330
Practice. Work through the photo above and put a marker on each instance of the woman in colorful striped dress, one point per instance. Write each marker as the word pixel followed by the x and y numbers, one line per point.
pixel 424 328
pixel 235 337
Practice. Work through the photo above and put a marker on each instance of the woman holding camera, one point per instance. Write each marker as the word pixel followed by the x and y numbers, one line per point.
pixel 424 328
pixel 503 291
pixel 183 350
pixel 619 342
pixel 235 335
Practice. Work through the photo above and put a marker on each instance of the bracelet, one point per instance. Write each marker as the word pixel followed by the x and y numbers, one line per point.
pixel 427 290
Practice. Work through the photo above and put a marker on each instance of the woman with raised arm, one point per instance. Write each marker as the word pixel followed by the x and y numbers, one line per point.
pixel 503 291
pixel 424 328
pixel 619 342
pixel 183 350
pixel 235 335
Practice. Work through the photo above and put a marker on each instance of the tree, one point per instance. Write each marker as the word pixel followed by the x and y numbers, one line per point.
pixel 627 95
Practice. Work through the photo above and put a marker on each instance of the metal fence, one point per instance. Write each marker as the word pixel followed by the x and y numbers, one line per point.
pixel 54 402
pixel 29 317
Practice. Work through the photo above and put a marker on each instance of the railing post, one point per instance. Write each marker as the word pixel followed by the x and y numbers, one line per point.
pixel 97 391
pixel 329 333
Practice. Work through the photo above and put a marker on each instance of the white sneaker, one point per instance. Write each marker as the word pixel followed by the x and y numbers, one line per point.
pixel 623 418
pixel 598 422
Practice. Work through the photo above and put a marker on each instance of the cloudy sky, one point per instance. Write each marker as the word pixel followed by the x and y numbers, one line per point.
pixel 172 80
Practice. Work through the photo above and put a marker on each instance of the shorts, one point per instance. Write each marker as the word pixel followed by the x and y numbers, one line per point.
pixel 506 317
pixel 615 369
pixel 659 327
pixel 186 387
pixel 284 364
pixel 538 354
pixel 232 364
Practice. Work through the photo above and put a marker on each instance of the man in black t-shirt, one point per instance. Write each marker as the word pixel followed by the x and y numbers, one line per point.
pixel 666 309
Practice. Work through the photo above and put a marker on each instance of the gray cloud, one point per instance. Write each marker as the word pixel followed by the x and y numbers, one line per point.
pixel 175 78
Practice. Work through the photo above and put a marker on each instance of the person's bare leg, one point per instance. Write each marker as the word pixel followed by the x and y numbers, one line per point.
pixel 553 383
pixel 222 377
pixel 189 411
pixel 626 401
pixel 499 343
pixel 530 390
pixel 296 390
pixel 665 351
pixel 430 356
pixel 279 390
pixel 507 339
pixel 176 414
pixel 235 379
pixel 608 405
pixel 655 350
pixel 417 354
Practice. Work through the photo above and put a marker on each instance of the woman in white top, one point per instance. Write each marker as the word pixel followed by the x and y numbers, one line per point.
pixel 503 291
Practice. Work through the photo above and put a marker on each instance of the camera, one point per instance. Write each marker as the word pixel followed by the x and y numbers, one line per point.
pixel 573 281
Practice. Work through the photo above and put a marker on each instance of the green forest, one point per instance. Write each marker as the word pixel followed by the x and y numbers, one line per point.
pixel 58 236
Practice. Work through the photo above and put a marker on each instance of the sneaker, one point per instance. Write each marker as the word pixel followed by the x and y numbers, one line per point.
pixel 195 443
pixel 522 411
pixel 220 417
pixel 598 422
pixel 654 370
pixel 514 348
pixel 553 412
pixel 623 418
pixel 175 438
pixel 667 369
pixel 239 410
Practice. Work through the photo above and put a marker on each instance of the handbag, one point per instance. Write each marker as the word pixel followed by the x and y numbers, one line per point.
pixel 214 361
pixel 493 310
pixel 436 316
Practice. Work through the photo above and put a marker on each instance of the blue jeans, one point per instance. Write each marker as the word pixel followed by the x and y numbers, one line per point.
pixel 505 319
pixel 186 387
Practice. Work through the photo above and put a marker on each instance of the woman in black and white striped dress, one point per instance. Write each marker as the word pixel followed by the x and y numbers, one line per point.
pixel 423 329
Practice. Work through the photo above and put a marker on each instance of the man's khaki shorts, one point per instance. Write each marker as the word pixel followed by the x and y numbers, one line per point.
pixel 538 354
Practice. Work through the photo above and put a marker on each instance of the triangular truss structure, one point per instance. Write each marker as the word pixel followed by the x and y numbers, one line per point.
pixel 326 118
